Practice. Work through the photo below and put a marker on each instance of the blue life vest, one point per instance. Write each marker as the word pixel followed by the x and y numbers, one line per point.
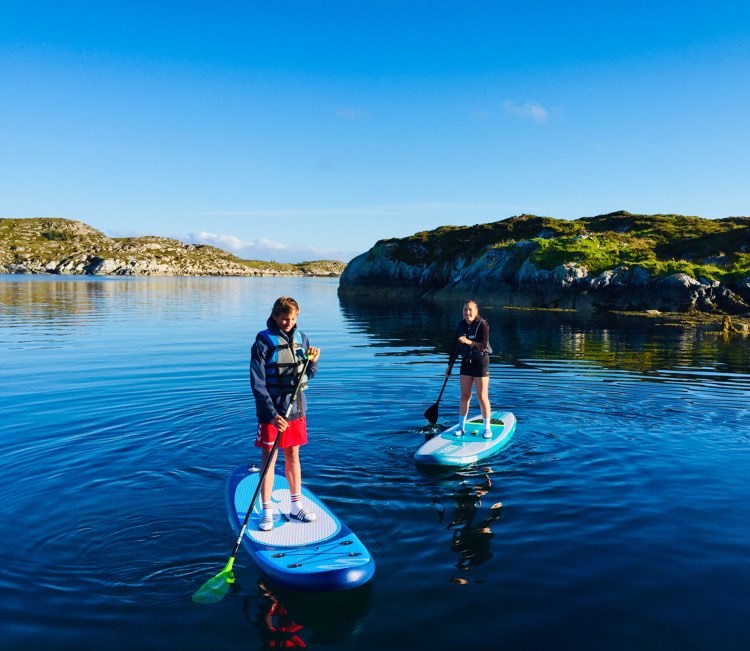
pixel 284 363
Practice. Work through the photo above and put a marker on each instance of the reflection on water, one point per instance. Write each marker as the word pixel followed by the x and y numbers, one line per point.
pixel 56 300
pixel 471 538
pixel 286 619
pixel 423 327
pixel 277 629
pixel 46 312
pixel 76 297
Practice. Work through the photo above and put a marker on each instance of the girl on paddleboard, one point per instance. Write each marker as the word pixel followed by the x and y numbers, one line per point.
pixel 472 344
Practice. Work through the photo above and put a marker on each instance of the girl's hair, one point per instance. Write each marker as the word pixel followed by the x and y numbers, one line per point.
pixel 284 305
pixel 472 302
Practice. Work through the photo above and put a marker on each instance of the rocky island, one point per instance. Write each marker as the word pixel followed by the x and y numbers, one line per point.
pixel 63 246
pixel 614 262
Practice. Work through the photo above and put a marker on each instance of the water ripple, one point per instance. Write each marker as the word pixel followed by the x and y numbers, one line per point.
pixel 623 496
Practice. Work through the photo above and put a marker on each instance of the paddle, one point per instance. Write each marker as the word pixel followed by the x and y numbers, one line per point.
pixel 213 590
pixel 431 413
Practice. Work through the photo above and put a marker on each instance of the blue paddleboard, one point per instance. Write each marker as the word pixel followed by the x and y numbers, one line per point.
pixel 315 556
pixel 447 449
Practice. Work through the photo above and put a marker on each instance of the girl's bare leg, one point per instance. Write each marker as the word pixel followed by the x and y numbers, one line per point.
pixel 482 385
pixel 466 383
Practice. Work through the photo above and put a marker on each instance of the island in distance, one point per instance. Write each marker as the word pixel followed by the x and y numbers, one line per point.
pixel 64 246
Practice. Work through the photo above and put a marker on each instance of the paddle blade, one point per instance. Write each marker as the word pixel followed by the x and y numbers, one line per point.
pixel 213 590
pixel 431 414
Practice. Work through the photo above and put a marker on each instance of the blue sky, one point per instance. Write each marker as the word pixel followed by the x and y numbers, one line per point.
pixel 300 130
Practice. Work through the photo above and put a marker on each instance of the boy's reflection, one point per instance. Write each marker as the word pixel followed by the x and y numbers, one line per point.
pixel 275 625
pixel 290 620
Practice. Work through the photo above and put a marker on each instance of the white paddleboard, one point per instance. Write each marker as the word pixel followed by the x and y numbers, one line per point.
pixel 447 449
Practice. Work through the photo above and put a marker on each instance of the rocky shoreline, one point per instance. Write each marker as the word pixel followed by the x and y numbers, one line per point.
pixel 505 264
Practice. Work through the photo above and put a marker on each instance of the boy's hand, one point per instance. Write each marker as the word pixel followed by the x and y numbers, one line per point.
pixel 279 422
pixel 313 353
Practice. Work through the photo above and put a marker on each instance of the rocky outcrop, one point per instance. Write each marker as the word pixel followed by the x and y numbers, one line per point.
pixel 62 246
pixel 486 262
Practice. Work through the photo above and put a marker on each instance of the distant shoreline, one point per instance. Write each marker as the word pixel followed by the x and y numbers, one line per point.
pixel 67 247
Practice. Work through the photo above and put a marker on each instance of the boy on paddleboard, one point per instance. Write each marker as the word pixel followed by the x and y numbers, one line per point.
pixel 276 361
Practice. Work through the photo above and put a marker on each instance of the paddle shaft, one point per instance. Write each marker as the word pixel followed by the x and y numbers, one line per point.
pixel 451 362
pixel 440 395
pixel 264 470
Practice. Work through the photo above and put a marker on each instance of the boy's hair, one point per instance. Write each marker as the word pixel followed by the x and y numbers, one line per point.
pixel 284 305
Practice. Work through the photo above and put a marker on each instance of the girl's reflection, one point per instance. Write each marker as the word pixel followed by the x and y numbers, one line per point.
pixel 471 540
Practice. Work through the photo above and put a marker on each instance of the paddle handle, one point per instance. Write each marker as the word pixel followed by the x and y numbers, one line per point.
pixel 266 465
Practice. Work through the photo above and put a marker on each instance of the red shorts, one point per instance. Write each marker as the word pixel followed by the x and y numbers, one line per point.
pixel 295 434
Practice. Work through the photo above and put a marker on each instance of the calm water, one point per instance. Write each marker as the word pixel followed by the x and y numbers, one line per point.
pixel 625 517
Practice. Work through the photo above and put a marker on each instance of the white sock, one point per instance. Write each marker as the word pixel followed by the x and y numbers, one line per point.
pixel 266 517
pixel 461 422
pixel 486 423
pixel 296 510
pixel 296 503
